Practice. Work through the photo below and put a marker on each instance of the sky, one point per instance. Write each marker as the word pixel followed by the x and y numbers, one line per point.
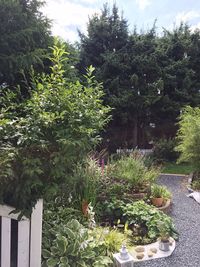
pixel 69 15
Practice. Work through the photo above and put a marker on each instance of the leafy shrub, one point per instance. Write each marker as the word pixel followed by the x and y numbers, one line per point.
pixel 189 137
pixel 147 219
pixel 69 245
pixel 109 211
pixel 43 138
pixel 163 150
pixel 143 220
pixel 132 169
pixel 112 239
pixel 196 185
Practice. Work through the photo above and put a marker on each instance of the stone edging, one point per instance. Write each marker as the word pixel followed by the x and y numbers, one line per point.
pixel 166 207
pixel 157 255
pixel 174 174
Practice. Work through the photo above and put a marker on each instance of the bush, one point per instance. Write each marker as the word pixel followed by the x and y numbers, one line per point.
pixel 147 219
pixel 188 137
pixel 133 170
pixel 70 245
pixel 163 150
pixel 196 185
pixel 143 220
pixel 43 138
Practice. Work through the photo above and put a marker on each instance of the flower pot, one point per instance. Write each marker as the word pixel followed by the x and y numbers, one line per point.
pixel 164 245
pixel 157 201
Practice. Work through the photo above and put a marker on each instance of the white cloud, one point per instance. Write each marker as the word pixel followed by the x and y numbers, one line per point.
pixel 195 27
pixel 88 1
pixel 66 16
pixel 142 4
pixel 186 16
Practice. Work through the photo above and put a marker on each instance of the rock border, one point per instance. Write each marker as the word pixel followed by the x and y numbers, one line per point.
pixel 157 255
pixel 166 208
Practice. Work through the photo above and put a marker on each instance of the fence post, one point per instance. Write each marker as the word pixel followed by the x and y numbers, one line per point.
pixel 5 241
pixel 36 235
pixel 23 243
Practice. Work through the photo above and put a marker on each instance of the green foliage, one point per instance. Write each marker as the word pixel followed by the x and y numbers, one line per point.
pixel 189 137
pixel 147 77
pixel 69 244
pixel 86 181
pixel 55 129
pixel 181 168
pixel 112 239
pixel 163 150
pixel 141 221
pixel 24 39
pixel 148 216
pixel 55 213
pixel 158 191
pixel 132 169
pixel 110 210
pixel 196 185
pixel 165 231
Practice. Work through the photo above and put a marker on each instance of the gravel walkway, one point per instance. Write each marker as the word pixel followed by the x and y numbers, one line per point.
pixel 186 215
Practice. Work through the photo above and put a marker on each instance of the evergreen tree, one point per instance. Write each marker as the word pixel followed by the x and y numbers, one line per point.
pixel 147 78
pixel 24 38
pixel 178 75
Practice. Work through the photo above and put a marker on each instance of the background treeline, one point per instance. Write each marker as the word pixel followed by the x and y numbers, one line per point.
pixel 147 76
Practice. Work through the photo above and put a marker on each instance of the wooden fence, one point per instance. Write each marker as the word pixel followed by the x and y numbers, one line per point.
pixel 20 240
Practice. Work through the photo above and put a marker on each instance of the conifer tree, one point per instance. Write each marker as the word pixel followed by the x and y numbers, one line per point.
pixel 24 38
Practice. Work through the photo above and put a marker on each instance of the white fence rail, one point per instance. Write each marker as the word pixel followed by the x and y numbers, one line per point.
pixel 128 151
pixel 21 240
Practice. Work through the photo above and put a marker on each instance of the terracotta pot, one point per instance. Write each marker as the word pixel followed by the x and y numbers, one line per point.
pixel 157 201
pixel 85 205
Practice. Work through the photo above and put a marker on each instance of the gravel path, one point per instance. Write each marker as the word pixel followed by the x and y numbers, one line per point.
pixel 186 215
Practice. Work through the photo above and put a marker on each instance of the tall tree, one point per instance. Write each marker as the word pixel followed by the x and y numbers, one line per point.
pixel 180 86
pixel 147 78
pixel 24 38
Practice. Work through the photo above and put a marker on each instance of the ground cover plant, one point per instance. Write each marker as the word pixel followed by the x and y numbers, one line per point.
pixel 145 220
pixel 67 242
pixel 177 168
pixel 141 219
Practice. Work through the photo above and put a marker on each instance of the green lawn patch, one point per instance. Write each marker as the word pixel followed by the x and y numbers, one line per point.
pixel 172 167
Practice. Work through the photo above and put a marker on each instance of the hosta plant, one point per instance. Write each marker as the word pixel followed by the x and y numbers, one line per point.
pixel 70 245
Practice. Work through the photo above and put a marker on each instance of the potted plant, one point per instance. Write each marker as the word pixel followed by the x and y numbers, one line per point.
pixel 157 195
pixel 164 240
